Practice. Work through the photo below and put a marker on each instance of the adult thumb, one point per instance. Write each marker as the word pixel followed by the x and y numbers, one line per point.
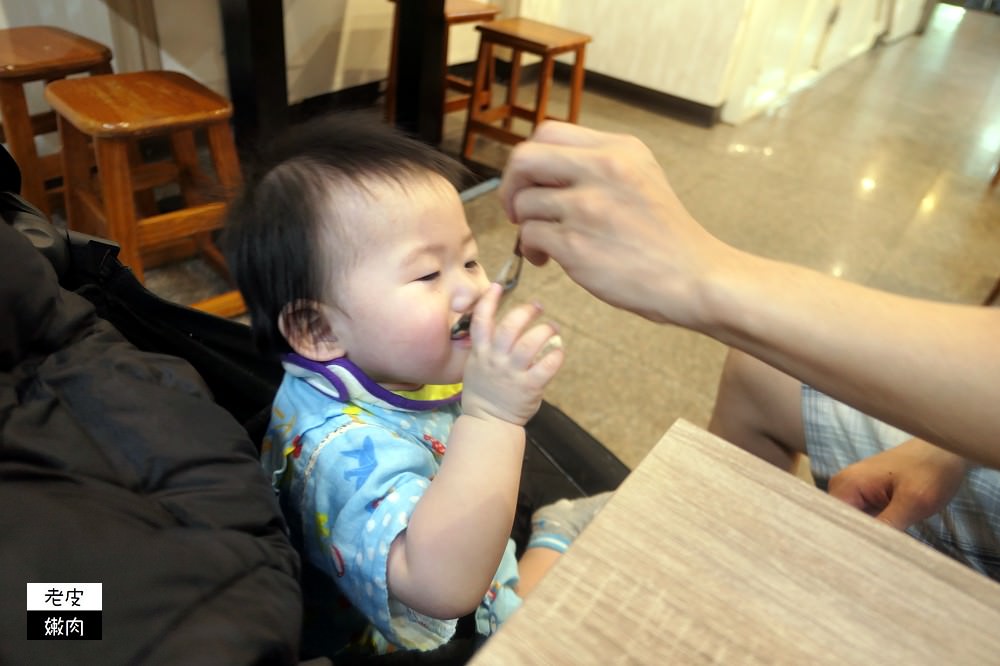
pixel 897 514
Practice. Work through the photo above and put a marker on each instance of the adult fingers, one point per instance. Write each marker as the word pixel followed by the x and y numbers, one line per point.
pixel 536 208
pixel 541 203
pixel 534 164
pixel 541 239
pixel 557 155
pixel 569 134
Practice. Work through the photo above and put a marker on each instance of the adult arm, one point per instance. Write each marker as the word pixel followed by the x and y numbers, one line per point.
pixel 600 205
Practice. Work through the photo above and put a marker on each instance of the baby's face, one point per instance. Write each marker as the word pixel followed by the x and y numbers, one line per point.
pixel 417 272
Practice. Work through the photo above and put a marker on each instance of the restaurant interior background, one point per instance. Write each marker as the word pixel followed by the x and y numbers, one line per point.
pixel 856 137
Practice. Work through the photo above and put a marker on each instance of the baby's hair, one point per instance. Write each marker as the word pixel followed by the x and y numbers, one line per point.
pixel 279 225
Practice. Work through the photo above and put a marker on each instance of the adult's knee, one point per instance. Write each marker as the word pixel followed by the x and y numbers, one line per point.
pixel 740 373
pixel 758 408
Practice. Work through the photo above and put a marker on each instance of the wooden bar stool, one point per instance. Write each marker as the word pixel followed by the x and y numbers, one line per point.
pixel 116 110
pixel 455 12
pixel 522 36
pixel 39 53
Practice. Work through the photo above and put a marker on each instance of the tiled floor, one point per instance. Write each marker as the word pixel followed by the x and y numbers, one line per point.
pixel 877 173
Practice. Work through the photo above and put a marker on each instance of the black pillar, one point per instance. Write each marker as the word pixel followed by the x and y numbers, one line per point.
pixel 254 36
pixel 419 79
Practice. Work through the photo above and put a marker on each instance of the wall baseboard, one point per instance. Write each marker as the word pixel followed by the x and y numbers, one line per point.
pixel 646 98
pixel 367 95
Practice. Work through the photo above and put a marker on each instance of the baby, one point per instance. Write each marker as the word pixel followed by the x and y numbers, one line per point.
pixel 395 446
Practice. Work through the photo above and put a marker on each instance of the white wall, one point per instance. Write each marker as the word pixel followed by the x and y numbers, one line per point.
pixel 190 36
pixel 905 19
pixel 329 44
pixel 680 47
pixel 787 45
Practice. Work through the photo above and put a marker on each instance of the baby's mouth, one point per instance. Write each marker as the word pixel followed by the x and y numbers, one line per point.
pixel 460 330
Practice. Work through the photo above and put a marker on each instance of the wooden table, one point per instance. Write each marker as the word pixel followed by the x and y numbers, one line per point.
pixel 706 555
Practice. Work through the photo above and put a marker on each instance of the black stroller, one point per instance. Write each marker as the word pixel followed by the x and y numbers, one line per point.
pixel 201 569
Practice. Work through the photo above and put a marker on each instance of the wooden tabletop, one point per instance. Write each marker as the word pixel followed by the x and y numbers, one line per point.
pixel 707 555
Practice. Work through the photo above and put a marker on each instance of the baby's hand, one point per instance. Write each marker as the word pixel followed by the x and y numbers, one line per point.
pixel 511 361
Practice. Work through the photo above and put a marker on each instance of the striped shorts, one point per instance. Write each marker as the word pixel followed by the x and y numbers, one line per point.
pixel 968 529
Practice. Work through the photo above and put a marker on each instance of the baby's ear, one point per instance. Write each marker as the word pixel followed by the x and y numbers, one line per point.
pixel 307 330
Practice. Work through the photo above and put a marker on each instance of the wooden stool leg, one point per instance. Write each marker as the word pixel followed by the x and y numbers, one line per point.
pixel 145 199
pixel 227 168
pixel 119 205
pixel 576 87
pixel 515 81
pixel 491 75
pixel 21 140
pixel 544 85
pixel 482 62
pixel 76 157
pixel 996 177
pixel 227 165
pixel 185 153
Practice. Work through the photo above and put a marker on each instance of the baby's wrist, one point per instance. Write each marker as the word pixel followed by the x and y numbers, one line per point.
pixel 487 418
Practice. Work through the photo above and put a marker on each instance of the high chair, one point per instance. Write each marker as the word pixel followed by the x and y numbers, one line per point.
pixel 521 36
pixel 114 111
pixel 40 53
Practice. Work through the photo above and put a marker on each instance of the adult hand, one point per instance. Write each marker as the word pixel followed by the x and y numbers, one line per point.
pixel 902 485
pixel 600 205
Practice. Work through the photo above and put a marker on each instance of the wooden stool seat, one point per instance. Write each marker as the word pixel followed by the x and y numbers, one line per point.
pixel 522 36
pixel 137 104
pixel 115 110
pixel 39 53
pixel 455 13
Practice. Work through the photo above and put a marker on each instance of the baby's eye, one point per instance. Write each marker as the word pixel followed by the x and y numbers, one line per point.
pixel 472 264
pixel 429 277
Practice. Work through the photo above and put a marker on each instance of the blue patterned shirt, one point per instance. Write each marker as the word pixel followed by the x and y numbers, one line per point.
pixel 350 460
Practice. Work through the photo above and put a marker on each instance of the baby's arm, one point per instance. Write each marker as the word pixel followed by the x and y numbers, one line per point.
pixel 444 562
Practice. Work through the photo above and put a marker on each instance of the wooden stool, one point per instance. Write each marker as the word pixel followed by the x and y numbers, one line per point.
pixel 522 36
pixel 455 12
pixel 114 111
pixel 39 53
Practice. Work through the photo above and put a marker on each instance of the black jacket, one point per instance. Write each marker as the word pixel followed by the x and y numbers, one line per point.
pixel 118 467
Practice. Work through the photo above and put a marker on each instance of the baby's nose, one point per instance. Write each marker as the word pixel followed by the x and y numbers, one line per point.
pixel 466 295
